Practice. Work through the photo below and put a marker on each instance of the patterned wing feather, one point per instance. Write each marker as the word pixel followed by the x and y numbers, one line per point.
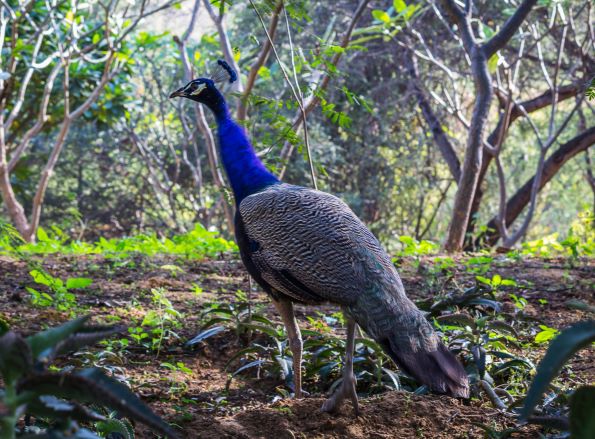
pixel 311 246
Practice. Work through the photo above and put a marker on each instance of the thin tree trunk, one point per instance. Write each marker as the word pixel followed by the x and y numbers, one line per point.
pixel 201 120
pixel 479 54
pixel 473 153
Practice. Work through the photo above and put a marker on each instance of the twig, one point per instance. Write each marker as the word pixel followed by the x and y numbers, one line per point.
pixel 295 94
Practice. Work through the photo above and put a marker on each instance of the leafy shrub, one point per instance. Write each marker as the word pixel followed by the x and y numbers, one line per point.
pixel 196 244
pixel 31 389
pixel 413 247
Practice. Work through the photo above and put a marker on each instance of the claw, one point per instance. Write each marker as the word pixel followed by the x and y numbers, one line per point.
pixel 346 390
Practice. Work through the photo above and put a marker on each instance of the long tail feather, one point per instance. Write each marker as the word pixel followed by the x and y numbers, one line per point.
pixel 391 319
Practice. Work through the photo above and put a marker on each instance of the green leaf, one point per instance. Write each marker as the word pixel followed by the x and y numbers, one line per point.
pixel 84 337
pixel 493 62
pixel 381 16
pixel 502 326
pixel 546 334
pixel 42 342
pixel 120 426
pixel 264 72
pixel 78 282
pixel 399 5
pixel 484 280
pixel 457 319
pixel 560 350
pixel 487 31
pixel 93 386
pixel 42 278
pixel 48 406
pixel 15 357
pixel 262 328
pixel 205 334
pixel 42 236
pixel 582 413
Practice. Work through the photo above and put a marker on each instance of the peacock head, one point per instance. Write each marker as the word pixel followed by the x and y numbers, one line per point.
pixel 204 90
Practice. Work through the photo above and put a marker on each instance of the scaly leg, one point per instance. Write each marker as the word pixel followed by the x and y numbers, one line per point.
pixel 285 309
pixel 347 387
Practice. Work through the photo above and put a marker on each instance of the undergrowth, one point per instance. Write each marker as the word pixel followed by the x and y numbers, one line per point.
pixel 495 342
pixel 198 243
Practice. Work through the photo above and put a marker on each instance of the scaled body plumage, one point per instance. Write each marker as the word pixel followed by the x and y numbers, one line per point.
pixel 307 246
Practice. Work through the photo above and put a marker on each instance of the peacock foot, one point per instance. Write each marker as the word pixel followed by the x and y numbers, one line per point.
pixel 345 390
pixel 299 395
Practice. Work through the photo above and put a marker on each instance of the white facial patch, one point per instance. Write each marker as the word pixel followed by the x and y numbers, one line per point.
pixel 198 90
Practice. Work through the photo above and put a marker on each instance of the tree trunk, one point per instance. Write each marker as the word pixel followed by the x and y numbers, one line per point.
pixel 473 154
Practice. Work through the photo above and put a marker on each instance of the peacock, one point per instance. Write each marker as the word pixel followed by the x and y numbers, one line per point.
pixel 306 246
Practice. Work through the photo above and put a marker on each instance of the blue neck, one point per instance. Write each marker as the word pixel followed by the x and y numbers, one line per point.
pixel 246 173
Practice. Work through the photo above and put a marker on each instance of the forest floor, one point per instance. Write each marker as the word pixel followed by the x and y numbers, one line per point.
pixel 194 396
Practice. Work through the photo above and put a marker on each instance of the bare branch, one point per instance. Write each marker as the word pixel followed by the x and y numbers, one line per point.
pixel 461 19
pixel 509 28
pixel 190 27
pixel 225 43
pixel 258 63
pixel 205 130
pixel 41 118
pixel 551 166
pixel 440 137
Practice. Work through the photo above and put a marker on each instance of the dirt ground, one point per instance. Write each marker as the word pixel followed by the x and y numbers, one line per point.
pixel 193 401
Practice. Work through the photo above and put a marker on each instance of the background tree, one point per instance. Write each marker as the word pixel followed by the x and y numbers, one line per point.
pixel 388 91
pixel 534 48
pixel 53 52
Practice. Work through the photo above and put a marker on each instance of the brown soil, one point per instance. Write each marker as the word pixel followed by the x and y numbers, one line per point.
pixel 194 401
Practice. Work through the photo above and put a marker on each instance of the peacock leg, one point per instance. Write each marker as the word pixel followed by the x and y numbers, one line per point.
pixel 347 387
pixel 285 309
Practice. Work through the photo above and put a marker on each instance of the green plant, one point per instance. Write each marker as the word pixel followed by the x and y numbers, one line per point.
pixel 473 325
pixel 413 247
pixel 496 282
pixel 546 334
pixel 59 396
pixel 323 354
pixel 582 402
pixel 479 265
pixel 482 337
pixel 62 299
pixel 161 322
pixel 238 315
pixel 195 244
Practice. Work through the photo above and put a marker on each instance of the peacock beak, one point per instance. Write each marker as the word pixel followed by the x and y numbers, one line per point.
pixel 178 93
